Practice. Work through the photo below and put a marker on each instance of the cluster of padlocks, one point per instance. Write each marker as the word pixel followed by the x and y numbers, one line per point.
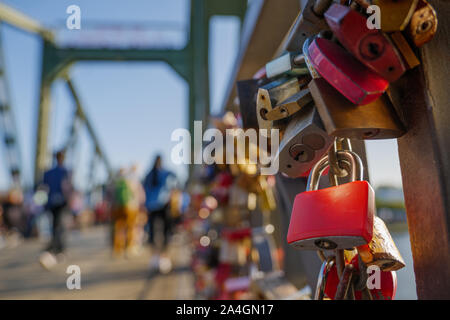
pixel 235 255
pixel 330 85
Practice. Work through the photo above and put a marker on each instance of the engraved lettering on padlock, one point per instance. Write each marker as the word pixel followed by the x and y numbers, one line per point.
pixel 370 46
pixel 338 217
pixel 423 24
pixel 341 118
pixel 271 94
pixel 350 77
pixel 303 144
pixel 395 14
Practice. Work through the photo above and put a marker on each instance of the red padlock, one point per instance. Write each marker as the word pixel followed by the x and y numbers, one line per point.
pixel 350 77
pixel 328 282
pixel 338 217
pixel 370 46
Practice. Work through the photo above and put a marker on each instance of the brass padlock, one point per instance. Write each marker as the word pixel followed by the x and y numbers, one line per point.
pixel 290 63
pixel 290 106
pixel 247 91
pixel 309 23
pixel 341 118
pixel 409 57
pixel 303 144
pixel 381 250
pixel 270 95
pixel 266 196
pixel 395 14
pixel 423 25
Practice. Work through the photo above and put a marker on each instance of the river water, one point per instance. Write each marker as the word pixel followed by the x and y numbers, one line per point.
pixel 405 277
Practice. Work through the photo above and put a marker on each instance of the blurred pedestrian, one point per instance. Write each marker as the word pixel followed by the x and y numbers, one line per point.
pixel 128 200
pixel 158 185
pixel 57 182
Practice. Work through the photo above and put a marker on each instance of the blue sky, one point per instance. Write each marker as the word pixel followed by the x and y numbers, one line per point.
pixel 134 106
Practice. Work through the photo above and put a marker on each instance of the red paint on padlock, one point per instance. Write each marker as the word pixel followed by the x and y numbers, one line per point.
pixel 370 46
pixel 387 290
pixel 337 217
pixel 350 77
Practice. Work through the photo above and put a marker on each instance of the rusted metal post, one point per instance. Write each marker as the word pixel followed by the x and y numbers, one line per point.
pixel 425 160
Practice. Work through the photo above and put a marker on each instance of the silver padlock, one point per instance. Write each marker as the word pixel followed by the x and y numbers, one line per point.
pixel 304 142
pixel 290 63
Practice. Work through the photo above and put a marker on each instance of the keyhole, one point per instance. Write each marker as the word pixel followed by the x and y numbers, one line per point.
pixel 263 113
pixel 299 155
pixel 374 48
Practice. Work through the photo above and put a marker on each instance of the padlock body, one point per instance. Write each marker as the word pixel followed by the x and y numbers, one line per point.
pixel 270 95
pixel 350 77
pixel 381 250
pixel 370 46
pixel 395 14
pixel 303 144
pixel 338 217
pixel 341 118
pixel 423 24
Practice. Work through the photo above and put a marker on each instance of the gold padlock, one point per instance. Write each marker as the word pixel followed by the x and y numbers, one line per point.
pixel 423 24
pixel 270 95
pixel 290 106
pixel 341 118
pixel 407 53
pixel 381 250
pixel 267 198
pixel 395 14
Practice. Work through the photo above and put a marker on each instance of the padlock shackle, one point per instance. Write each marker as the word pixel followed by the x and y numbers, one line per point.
pixel 356 165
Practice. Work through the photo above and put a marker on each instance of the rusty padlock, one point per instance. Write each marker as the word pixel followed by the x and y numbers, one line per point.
pixel 423 25
pixel 381 250
pixel 350 77
pixel 370 46
pixel 337 217
pixel 395 14
pixel 341 118
pixel 290 63
pixel 270 95
pixel 303 144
